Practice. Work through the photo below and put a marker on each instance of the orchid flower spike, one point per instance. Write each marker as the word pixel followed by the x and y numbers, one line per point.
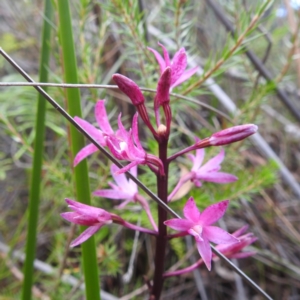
pixel 199 225
pixel 97 134
pixel 178 65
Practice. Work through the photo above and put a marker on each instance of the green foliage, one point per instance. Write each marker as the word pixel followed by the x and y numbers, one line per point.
pixel 108 259
pixel 179 247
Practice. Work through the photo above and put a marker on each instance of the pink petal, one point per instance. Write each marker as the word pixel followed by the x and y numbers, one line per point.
pixel 112 194
pixel 240 231
pixel 130 88
pixel 75 204
pixel 179 224
pixel 129 166
pixel 214 163
pixel 75 217
pixel 70 216
pixel 91 130
pixel 101 117
pixel 190 211
pixel 213 213
pixel 135 132
pixel 163 88
pixel 86 235
pixel 114 149
pixel 133 171
pixel 91 214
pixel 166 54
pixel 179 63
pixel 217 177
pixel 198 159
pixel 232 134
pixel 120 179
pixel 160 60
pixel 84 152
pixel 133 152
pixel 205 252
pixel 122 131
pixel 218 236
pixel 185 76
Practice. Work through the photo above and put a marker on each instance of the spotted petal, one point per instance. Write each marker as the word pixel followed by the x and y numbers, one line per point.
pixel 179 224
pixel 185 76
pixel 101 117
pixel 191 211
pixel 213 213
pixel 205 252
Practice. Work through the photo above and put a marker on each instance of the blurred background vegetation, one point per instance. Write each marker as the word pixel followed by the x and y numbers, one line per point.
pixel 112 36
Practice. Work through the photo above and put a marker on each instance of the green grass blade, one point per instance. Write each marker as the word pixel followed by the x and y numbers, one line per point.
pixel 77 142
pixel 34 194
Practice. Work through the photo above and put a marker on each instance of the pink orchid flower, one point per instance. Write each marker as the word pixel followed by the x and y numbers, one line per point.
pixel 123 189
pixel 199 225
pixel 230 250
pixel 178 65
pixel 86 215
pixel 126 145
pixel 97 134
pixel 126 190
pixel 234 250
pixel 94 218
pixel 208 172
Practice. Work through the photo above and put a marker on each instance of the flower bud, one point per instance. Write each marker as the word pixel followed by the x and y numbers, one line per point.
pixel 163 88
pixel 232 134
pixel 130 88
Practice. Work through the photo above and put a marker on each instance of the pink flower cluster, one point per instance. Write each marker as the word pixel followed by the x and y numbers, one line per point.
pixel 126 145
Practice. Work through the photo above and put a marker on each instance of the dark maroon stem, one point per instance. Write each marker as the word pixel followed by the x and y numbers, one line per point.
pixel 161 240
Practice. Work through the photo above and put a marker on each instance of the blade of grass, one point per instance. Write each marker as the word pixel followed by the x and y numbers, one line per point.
pixel 90 266
pixel 34 193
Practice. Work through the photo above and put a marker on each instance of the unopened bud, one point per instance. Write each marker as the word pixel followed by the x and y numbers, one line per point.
pixel 163 88
pixel 232 134
pixel 130 88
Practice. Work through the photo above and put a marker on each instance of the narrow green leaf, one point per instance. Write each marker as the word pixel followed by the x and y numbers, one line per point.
pixel 34 194
pixel 90 267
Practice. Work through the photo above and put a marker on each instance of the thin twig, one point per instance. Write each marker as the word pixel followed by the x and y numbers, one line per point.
pixel 281 215
pixel 293 50
pixel 257 63
pixel 113 87
pixel 229 53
